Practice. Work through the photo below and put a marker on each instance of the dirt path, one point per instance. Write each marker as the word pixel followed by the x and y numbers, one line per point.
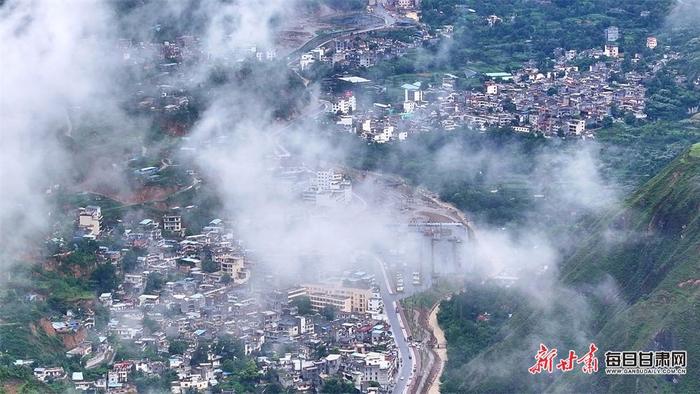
pixel 432 352
pixel 440 350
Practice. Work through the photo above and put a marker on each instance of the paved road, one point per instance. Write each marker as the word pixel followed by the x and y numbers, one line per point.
pixel 406 353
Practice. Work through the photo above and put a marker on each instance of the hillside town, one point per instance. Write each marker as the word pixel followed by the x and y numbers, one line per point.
pixel 184 294
pixel 144 293
pixel 196 288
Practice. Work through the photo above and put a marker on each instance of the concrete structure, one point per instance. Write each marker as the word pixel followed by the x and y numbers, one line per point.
pixel 412 92
pixel 379 368
pixel 651 42
pixel 344 104
pixel 491 88
pixel 611 50
pixel 612 34
pixel 577 126
pixel 90 219
pixel 234 266
pixel 172 223
pixel 405 3
pixel 328 188
pixel 306 61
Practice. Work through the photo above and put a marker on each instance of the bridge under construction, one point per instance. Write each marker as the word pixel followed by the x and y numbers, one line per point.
pixel 444 247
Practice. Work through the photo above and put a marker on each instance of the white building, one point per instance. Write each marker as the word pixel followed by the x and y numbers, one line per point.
pixel 413 96
pixel 135 280
pixel 413 92
pixel 344 104
pixel 90 219
pixel 651 42
pixel 491 87
pixel 367 59
pixel 405 3
pixel 345 120
pixel 577 126
pixel 190 382
pixel 612 34
pixel 385 134
pixel 44 374
pixel 379 368
pixel 318 53
pixel 329 188
pixel 172 223
pixel 307 59
pixel 375 305
pixel 611 50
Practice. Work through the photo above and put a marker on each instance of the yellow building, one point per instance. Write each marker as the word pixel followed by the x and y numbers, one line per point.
pixel 233 265
pixel 345 299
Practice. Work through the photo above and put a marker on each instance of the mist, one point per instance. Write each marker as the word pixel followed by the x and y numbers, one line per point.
pixel 685 13
pixel 59 66
pixel 54 66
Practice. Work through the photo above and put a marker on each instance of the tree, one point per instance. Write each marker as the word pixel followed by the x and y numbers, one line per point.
pixel 200 355
pixel 130 259
pixel 177 347
pixel 150 324
pixel 630 119
pixel 508 105
pixel 208 265
pixel 328 312
pixel 104 278
pixel 335 385
pixel 154 283
pixel 226 279
pixel 101 316
pixel 154 383
pixel 607 121
pixel 303 304
pixel 229 348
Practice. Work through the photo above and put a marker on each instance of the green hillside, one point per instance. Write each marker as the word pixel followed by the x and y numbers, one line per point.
pixel 634 284
pixel 652 250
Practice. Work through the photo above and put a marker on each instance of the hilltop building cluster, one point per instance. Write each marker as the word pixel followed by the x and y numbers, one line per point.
pixel 565 101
